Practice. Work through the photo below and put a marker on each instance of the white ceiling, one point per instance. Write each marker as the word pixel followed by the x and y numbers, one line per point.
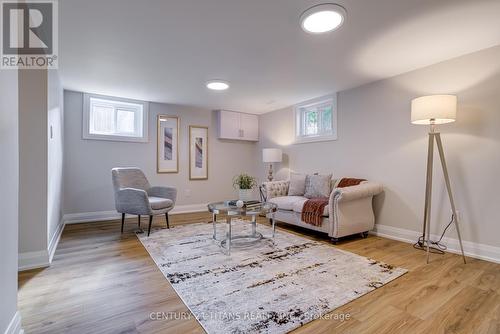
pixel 165 51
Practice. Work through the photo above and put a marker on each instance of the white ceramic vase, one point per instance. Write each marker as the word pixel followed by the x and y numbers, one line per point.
pixel 246 194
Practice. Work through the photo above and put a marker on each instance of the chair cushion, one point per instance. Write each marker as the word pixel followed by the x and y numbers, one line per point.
pixel 299 205
pixel 158 203
pixel 286 202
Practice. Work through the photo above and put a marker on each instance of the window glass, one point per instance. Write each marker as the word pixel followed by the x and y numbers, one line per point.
pixel 311 125
pixel 326 123
pixel 102 119
pixel 125 121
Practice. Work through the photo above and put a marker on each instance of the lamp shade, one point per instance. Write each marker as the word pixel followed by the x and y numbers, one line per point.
pixel 434 109
pixel 271 155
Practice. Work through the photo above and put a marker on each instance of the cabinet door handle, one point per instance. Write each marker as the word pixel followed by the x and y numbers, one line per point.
pixel 242 133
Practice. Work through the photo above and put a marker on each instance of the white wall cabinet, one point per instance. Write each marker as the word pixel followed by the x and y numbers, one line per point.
pixel 237 125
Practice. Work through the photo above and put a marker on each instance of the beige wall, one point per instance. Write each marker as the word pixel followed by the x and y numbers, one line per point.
pixel 9 188
pixel 32 162
pixel 377 141
pixel 88 163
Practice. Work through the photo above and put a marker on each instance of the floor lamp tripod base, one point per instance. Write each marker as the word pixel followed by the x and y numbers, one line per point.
pixel 436 136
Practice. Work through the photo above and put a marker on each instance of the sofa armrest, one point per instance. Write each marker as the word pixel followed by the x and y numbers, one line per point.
pixel 351 209
pixel 276 188
pixel 362 190
pixel 163 192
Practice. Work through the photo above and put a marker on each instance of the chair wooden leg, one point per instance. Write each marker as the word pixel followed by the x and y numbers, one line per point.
pixel 150 222
pixel 139 221
pixel 166 217
pixel 123 221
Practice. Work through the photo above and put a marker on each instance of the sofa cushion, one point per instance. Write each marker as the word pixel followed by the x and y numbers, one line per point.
pixel 318 185
pixel 158 203
pixel 299 205
pixel 297 185
pixel 286 202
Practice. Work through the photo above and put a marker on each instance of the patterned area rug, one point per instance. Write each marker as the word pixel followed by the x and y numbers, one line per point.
pixel 268 286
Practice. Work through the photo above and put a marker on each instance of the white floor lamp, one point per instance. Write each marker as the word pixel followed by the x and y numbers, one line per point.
pixel 433 110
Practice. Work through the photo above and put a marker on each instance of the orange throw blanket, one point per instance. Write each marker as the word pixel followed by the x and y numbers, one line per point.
pixel 312 212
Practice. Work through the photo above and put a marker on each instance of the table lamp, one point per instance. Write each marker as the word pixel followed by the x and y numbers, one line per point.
pixel 433 110
pixel 271 155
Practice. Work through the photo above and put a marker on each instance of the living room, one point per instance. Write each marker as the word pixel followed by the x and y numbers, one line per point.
pixel 171 167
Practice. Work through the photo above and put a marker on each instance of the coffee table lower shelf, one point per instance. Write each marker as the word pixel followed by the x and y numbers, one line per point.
pixel 253 237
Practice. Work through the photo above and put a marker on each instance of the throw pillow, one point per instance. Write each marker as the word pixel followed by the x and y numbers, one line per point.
pixel 297 185
pixel 318 186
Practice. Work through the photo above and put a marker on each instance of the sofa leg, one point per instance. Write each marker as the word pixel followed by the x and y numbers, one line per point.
pixel 335 241
pixel 150 222
pixel 123 221
pixel 166 217
pixel 364 235
pixel 139 221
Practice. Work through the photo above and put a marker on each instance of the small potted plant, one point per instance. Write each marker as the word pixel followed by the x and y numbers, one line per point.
pixel 245 184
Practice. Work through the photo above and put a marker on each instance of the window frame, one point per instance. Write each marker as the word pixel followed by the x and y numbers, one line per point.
pixel 300 111
pixel 86 134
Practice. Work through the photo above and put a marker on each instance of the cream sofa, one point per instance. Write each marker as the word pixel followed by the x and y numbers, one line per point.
pixel 349 210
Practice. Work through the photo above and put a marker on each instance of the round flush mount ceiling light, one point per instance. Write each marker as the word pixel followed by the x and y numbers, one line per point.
pixel 217 85
pixel 322 18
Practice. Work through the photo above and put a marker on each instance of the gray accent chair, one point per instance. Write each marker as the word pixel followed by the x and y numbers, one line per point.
pixel 134 195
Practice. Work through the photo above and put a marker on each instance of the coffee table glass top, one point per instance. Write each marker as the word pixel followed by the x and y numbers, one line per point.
pixel 254 209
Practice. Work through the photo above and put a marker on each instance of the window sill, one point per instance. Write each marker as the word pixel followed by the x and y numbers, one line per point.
pixel 305 140
pixel 116 138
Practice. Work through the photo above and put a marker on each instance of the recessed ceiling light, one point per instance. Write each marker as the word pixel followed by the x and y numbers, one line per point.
pixel 322 18
pixel 217 85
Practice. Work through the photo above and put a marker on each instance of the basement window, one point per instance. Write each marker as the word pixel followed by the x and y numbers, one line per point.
pixel 112 118
pixel 316 120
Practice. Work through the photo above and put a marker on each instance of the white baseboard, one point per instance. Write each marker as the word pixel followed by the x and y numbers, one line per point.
pixel 54 241
pixel 472 249
pixel 87 217
pixel 33 260
pixel 84 217
pixel 43 258
pixel 188 208
pixel 15 325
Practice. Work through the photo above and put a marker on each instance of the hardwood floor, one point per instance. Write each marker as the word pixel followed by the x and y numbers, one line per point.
pixel 102 281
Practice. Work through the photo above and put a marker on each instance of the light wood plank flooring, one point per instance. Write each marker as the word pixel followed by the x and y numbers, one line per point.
pixel 103 282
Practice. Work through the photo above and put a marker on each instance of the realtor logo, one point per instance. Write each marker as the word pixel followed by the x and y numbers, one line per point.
pixel 29 34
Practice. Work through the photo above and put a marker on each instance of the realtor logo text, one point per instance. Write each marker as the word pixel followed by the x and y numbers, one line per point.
pixel 29 34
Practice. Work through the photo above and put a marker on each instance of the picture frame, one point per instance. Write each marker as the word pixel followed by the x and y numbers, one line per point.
pixel 167 143
pixel 198 152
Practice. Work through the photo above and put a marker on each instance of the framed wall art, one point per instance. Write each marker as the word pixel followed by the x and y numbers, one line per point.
pixel 167 158
pixel 198 152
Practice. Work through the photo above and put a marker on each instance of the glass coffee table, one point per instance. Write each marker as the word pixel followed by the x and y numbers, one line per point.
pixel 263 208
